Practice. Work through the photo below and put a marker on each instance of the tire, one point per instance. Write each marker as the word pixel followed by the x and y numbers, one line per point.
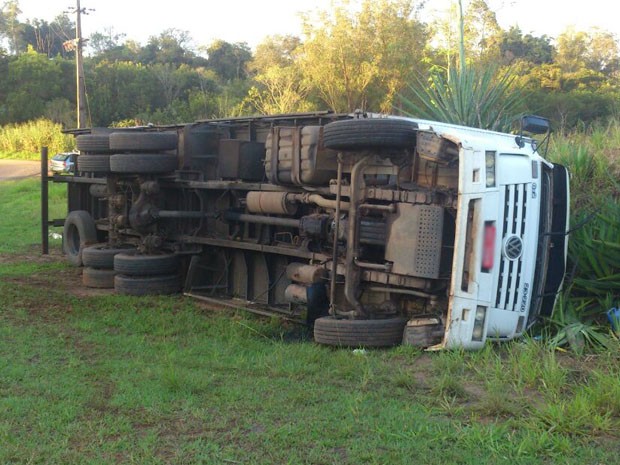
pixel 93 143
pixel 97 278
pixel 93 163
pixel 102 255
pixel 147 285
pixel 143 141
pixel 359 333
pixel 146 265
pixel 143 163
pixel 358 134
pixel 79 232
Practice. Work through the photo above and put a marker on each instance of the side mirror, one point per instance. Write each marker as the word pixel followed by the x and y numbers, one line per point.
pixel 534 125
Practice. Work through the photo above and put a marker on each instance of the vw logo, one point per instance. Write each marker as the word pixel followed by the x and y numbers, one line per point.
pixel 513 247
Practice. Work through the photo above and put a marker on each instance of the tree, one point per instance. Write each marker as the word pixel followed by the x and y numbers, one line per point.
pixel 172 46
pixel 121 90
pixel 572 50
pixel 32 81
pixel 202 99
pixel 516 46
pixel 274 51
pixel 130 50
pixel 480 29
pixel 362 60
pixel 278 84
pixel 105 41
pixel 173 82
pixel 10 26
pixel 595 50
pixel 279 90
pixel 604 53
pixel 48 38
pixel 229 61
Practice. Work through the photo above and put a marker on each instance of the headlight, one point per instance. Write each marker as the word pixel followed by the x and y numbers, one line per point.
pixel 489 159
pixel 478 332
pixel 476 335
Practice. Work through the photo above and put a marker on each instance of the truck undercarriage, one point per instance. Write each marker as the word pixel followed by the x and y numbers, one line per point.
pixel 346 221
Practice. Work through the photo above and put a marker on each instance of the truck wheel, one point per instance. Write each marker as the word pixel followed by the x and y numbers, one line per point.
pixel 357 333
pixel 143 141
pixel 79 232
pixel 143 163
pixel 93 163
pixel 97 278
pixel 93 143
pixel 147 285
pixel 102 255
pixel 146 265
pixel 358 134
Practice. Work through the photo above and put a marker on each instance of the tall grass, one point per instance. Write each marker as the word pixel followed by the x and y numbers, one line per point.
pixel 24 141
pixel 593 159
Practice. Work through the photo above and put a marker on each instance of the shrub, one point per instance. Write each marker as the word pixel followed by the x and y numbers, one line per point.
pixel 26 139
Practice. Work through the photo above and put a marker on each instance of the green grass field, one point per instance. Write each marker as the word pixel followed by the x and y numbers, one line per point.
pixel 89 377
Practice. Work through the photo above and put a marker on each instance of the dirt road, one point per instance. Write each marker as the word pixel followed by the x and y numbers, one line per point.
pixel 19 169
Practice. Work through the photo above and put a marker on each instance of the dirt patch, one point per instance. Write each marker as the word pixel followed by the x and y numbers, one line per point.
pixel 32 255
pixel 19 169
pixel 68 280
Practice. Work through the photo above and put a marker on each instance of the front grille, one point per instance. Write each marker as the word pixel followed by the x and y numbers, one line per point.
pixel 515 199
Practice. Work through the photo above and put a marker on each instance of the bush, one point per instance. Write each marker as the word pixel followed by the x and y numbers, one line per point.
pixel 26 139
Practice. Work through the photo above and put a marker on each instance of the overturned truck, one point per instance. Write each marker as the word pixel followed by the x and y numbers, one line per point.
pixel 376 230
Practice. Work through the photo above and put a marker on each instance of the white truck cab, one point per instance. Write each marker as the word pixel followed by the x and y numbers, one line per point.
pixel 510 242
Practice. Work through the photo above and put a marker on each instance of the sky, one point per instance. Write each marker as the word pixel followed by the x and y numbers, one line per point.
pixel 251 21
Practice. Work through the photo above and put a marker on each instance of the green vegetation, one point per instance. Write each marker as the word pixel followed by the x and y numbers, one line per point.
pixel 374 58
pixel 92 377
pixel 467 96
pixel 101 378
pixel 20 210
pixel 592 157
pixel 24 141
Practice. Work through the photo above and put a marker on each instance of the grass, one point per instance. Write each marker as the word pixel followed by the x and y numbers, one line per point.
pixel 101 379
pixel 593 158
pixel 20 224
pixel 111 379
pixel 89 377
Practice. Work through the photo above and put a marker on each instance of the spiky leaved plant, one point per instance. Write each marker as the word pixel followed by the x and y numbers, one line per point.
pixel 482 97
pixel 595 250
pixel 574 325
pixel 477 96
pixel 579 320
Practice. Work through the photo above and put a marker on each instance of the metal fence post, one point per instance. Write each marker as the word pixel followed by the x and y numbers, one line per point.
pixel 44 204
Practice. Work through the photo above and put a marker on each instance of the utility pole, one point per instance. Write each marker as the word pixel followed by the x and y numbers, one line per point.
pixel 78 45
pixel 79 70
